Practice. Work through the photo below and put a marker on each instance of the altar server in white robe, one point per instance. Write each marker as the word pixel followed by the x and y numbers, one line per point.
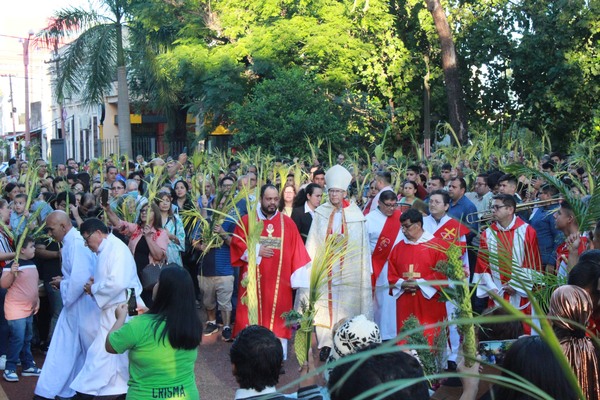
pixel 77 324
pixel 383 227
pixel 107 374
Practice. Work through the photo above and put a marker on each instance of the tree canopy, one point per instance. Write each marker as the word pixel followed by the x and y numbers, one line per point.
pixel 273 68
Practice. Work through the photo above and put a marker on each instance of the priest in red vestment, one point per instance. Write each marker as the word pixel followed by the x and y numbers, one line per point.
pixel 509 257
pixel 411 265
pixel 281 254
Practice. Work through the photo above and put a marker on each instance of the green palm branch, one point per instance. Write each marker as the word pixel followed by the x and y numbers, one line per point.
pixel 320 274
pixel 460 296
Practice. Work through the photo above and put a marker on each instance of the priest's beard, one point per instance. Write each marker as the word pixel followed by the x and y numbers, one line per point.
pixel 268 211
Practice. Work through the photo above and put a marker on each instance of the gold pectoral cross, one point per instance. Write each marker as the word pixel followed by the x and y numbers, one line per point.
pixel 411 274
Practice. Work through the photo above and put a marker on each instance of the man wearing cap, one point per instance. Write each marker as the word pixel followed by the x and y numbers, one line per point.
pixel 348 290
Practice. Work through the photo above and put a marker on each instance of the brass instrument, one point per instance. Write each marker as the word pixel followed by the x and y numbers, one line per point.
pixel 487 215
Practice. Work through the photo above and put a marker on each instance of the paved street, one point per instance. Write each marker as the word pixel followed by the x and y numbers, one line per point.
pixel 213 372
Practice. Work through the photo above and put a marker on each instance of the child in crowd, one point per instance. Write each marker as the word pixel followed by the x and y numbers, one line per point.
pixel 19 215
pixel 21 303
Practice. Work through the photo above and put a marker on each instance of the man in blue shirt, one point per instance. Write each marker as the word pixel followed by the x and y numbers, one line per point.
pixel 463 210
pixel 542 220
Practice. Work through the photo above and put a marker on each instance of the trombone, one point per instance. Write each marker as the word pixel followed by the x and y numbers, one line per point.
pixel 487 215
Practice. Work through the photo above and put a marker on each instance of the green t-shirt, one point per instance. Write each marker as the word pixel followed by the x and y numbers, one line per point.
pixel 156 370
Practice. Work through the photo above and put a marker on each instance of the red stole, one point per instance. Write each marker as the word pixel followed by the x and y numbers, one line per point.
pixel 452 231
pixel 384 245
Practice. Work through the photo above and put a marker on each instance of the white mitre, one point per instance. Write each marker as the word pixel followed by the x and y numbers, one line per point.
pixel 338 177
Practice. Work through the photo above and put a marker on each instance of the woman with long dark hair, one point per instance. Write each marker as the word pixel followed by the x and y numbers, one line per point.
pixel 163 342
pixel 148 241
pixel 286 199
pixel 525 359
pixel 174 227
pixel 181 196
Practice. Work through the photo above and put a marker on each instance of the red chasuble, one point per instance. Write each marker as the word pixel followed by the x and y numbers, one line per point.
pixel 384 245
pixel 418 261
pixel 274 273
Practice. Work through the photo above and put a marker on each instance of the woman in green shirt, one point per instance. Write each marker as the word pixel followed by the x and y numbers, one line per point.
pixel 163 342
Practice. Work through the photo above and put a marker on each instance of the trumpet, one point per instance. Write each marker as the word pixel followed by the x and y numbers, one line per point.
pixel 487 215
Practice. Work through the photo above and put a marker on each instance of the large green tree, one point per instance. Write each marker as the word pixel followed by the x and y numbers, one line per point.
pixel 89 63
pixel 520 64
pixel 555 64
pixel 281 113
pixel 349 52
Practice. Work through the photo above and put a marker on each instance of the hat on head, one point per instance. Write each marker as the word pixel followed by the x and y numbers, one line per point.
pixel 338 177
pixel 354 334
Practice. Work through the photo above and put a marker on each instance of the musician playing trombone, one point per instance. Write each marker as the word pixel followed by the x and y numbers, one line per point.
pixel 508 257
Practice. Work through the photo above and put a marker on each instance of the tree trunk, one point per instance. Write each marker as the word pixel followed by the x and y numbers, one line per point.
pixel 426 111
pixel 456 106
pixel 123 118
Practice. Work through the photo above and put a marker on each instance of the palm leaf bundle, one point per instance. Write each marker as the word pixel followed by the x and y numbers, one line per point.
pixel 153 186
pixel 247 158
pixel 224 207
pixel 250 281
pixel 31 180
pixel 361 179
pixel 379 150
pixel 30 225
pixel 95 167
pixel 320 274
pixel 126 208
pixel 330 154
pixel 430 357
pixel 194 218
pixel 460 296
pixel 315 149
pixel 299 175
pixel 280 171
pixel 398 172
pixel 221 157
pixel 49 163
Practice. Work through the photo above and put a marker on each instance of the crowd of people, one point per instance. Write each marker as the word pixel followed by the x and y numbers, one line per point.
pixel 93 235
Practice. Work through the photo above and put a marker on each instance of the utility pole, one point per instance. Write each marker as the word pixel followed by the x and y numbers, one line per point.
pixel 56 60
pixel 13 110
pixel 26 64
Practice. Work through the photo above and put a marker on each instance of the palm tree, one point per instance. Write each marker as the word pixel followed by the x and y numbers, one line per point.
pixel 89 63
